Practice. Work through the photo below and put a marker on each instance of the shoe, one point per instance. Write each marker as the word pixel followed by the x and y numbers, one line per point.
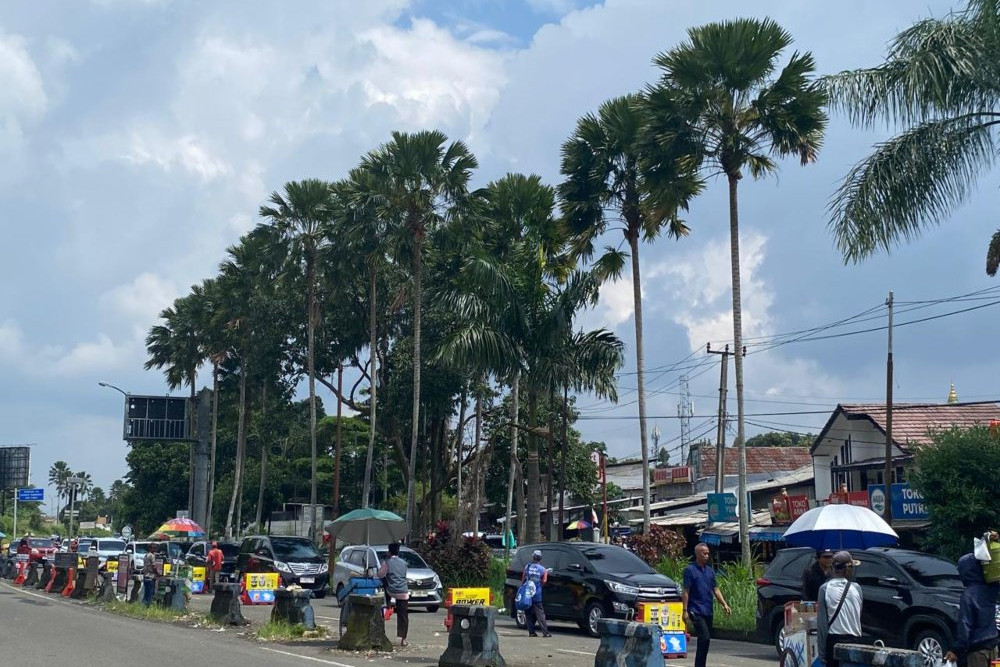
pixel 403 642
pixel 547 634
pixel 532 634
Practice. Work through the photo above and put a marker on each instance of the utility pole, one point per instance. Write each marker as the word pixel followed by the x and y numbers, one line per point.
pixel 887 477
pixel 720 436
pixel 73 483
pixel 685 410
pixel 656 444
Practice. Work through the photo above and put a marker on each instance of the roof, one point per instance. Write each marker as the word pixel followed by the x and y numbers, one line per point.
pixel 759 460
pixel 913 422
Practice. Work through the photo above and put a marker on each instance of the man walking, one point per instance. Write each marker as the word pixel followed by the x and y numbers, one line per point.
pixel 393 571
pixel 538 574
pixel 213 566
pixel 976 638
pixel 838 612
pixel 700 593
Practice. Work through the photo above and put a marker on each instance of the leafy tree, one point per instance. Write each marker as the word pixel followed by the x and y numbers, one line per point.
pixel 157 484
pixel 781 439
pixel 739 110
pixel 58 474
pixel 959 491
pixel 940 83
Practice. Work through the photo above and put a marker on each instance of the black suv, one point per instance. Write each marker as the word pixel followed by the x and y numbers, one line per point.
pixel 910 598
pixel 295 559
pixel 197 556
pixel 589 581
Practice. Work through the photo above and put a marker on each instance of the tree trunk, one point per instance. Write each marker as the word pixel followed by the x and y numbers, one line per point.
pixel 562 461
pixel 438 432
pixel 513 458
pixel 194 395
pixel 734 249
pixel 215 434
pixel 531 528
pixel 373 390
pixel 550 444
pixel 411 483
pixel 263 464
pixel 339 445
pixel 240 444
pixel 633 241
pixel 457 449
pixel 311 280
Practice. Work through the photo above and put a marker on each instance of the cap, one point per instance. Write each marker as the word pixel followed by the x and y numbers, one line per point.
pixel 536 554
pixel 842 559
pixel 821 553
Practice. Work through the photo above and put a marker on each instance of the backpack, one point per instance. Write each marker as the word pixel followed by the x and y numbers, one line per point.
pixel 525 596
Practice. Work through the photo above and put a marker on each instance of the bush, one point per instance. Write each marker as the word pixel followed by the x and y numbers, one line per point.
pixel 656 545
pixel 459 561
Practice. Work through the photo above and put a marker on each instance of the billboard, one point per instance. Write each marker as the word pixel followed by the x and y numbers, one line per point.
pixel 156 418
pixel 907 503
pixel 15 463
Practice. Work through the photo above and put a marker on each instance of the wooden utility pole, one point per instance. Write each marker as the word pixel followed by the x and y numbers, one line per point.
pixel 887 477
pixel 720 437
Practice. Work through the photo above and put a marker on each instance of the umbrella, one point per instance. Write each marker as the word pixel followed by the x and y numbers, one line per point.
pixel 840 527
pixel 368 526
pixel 579 525
pixel 177 528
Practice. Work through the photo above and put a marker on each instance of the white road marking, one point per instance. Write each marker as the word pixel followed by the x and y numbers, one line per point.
pixel 305 657
pixel 566 650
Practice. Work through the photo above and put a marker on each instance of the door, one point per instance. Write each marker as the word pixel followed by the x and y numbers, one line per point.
pixel 557 591
pixel 196 556
pixel 885 589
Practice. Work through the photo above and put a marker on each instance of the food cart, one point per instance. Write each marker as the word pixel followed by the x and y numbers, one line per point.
pixel 800 635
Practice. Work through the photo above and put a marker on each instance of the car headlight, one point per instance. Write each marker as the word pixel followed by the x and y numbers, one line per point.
pixel 623 589
pixel 437 582
pixel 282 567
pixel 324 568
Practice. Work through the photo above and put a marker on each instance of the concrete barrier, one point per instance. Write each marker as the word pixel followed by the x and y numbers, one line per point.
pixel 293 607
pixel 46 577
pixel 628 644
pixel 58 581
pixel 472 638
pixel 134 588
pixel 31 578
pixel 106 590
pixel 80 590
pixel 170 593
pixel 857 655
pixel 365 624
pixel 226 605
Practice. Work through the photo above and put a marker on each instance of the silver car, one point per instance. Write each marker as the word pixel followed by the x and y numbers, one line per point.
pixel 425 586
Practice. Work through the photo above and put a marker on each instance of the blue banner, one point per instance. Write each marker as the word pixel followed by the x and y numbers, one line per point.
pixel 29 495
pixel 907 503
pixel 721 507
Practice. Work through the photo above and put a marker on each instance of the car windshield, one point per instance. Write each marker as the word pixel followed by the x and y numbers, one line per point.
pixel 616 559
pixel 928 570
pixel 411 558
pixel 229 550
pixel 40 543
pixel 115 546
pixel 141 547
pixel 286 548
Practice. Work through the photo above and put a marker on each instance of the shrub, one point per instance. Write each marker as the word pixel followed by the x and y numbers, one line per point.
pixel 459 561
pixel 657 544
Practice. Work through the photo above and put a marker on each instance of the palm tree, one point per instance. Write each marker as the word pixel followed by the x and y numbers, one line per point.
pixel 58 474
pixel 739 112
pixel 939 83
pixel 603 163
pixel 419 178
pixel 176 344
pixel 302 216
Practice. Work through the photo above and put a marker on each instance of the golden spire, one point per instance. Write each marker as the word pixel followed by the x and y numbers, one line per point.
pixel 952 396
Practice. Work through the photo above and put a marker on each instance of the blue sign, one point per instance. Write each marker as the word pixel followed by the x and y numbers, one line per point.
pixel 27 495
pixel 721 507
pixel 907 503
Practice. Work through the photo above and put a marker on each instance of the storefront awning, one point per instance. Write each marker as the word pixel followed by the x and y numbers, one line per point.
pixel 767 533
pixel 721 533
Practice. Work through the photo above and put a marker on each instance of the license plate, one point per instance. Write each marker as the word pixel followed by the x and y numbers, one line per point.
pixel 307 580
pixel 415 594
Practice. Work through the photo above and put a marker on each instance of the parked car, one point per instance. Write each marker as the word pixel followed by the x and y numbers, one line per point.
pixel 910 597
pixel 196 557
pixel 138 549
pixel 295 559
pixel 105 548
pixel 37 548
pixel 589 581
pixel 426 590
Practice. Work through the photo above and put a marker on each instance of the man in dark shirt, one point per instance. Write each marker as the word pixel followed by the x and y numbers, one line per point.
pixel 699 591
pixel 816 575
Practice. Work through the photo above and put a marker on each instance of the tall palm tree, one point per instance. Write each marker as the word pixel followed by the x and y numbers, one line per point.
pixel 940 83
pixel 302 216
pixel 740 111
pixel 420 178
pixel 176 345
pixel 58 474
pixel 603 163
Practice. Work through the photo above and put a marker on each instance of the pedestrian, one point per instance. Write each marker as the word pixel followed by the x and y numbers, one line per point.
pixel 838 612
pixel 213 566
pixel 816 574
pixel 975 642
pixel 393 571
pixel 149 575
pixel 699 596
pixel 538 574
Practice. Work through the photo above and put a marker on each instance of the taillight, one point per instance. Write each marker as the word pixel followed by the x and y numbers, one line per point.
pixel 763 582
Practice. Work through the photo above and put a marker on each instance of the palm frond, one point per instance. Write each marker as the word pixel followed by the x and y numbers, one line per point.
pixel 993 254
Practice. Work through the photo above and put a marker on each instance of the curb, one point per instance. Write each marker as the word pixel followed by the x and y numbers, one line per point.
pixel 736 635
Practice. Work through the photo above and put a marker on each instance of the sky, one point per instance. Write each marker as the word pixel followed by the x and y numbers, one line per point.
pixel 139 137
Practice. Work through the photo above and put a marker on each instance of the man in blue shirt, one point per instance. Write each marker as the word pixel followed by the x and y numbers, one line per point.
pixel 700 590
pixel 539 574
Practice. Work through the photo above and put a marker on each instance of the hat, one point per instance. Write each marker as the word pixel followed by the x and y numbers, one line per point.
pixel 821 553
pixel 842 559
pixel 536 554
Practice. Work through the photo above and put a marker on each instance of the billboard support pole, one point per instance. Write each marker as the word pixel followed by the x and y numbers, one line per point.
pixel 15 512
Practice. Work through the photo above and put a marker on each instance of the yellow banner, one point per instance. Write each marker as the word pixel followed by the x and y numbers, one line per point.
pixel 267 581
pixel 668 615
pixel 197 574
pixel 112 565
pixel 469 596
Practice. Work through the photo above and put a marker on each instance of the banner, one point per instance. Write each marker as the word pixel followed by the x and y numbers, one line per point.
pixel 907 503
pixel 467 596
pixel 721 507
pixel 123 566
pixel 260 587
pixel 197 579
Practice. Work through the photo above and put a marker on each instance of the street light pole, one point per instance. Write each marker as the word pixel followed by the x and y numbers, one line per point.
pixel 73 483
pixel 111 386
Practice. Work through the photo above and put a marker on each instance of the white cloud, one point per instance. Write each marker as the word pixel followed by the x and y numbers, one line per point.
pixel 11 342
pixel 148 146
pixel 100 354
pixel 23 100
pixel 141 300
pixel 557 7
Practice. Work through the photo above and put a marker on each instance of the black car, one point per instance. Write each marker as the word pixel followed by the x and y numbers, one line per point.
pixel 589 581
pixel 197 557
pixel 295 559
pixel 910 598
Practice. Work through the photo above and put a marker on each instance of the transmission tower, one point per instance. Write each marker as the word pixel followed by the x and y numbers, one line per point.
pixel 685 410
pixel 656 444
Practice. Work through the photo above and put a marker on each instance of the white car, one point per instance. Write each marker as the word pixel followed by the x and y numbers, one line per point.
pixel 425 586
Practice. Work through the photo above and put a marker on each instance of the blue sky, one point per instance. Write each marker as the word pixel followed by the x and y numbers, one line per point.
pixel 138 138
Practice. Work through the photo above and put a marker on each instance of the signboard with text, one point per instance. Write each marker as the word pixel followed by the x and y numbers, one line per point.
pixel 907 503
pixel 721 507
pixel 859 498
pixel 785 509
pixel 29 495
pixel 260 587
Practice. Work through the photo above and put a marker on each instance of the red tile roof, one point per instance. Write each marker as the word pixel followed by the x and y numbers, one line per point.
pixel 759 460
pixel 912 422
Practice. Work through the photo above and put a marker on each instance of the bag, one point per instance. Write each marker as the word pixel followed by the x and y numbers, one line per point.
pixel 981 549
pixel 525 596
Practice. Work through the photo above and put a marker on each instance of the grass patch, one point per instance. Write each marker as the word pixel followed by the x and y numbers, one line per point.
pixel 282 631
pixel 151 613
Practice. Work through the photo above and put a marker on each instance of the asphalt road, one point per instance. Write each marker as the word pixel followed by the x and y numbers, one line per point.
pixel 36 629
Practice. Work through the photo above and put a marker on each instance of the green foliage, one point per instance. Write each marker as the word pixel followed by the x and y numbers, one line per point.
pixel 658 544
pixel 737 583
pixel 136 610
pixel 781 439
pixel 158 479
pixel 960 489
pixel 459 561
pixel 498 576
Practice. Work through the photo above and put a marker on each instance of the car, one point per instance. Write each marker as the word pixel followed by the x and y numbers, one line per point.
pixel 910 597
pixel 589 581
pixel 138 549
pixel 37 548
pixel 295 559
pixel 105 548
pixel 195 557
pixel 426 590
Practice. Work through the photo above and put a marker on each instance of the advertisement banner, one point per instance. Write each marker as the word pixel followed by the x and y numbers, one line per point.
pixel 122 565
pixel 721 507
pixel 197 579
pixel 260 587
pixel 468 596
pixel 859 498
pixel 907 503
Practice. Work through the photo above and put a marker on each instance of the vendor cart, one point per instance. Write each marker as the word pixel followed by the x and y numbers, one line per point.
pixel 800 635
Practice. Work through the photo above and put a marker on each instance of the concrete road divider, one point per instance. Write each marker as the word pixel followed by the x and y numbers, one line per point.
pixel 31 577
pixel 856 655
pixel 293 607
pixel 365 624
pixel 58 581
pixel 80 585
pixel 170 594
pixel 472 639
pixel 46 577
pixel 628 644
pixel 106 590
pixel 226 605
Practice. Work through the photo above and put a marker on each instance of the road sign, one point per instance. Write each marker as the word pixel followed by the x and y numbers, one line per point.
pixel 27 495
pixel 127 533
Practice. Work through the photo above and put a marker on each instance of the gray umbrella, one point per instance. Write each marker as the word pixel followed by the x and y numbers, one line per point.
pixel 368 526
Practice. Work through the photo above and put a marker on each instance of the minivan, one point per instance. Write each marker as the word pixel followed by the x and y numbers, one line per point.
pixel 426 591
pixel 295 559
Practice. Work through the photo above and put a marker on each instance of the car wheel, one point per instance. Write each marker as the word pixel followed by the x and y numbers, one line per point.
pixel 931 643
pixel 788 659
pixel 591 615
pixel 340 594
pixel 778 636
pixel 433 608
pixel 521 620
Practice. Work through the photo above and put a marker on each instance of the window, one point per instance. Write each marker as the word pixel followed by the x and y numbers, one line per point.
pixel 294 549
pixel 197 550
pixel 411 558
pixel 871 569
pixel 557 559
pixel 615 559
pixel 928 570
